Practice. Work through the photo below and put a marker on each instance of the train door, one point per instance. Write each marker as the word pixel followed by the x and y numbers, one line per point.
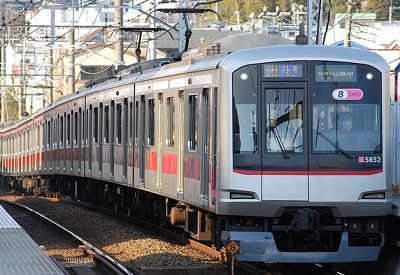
pixel 100 141
pixel 141 129
pixel 205 137
pixel 181 142
pixel 197 145
pixel 90 139
pixel 125 129
pixel 80 137
pixel 159 142
pixel 285 152
pixel 111 138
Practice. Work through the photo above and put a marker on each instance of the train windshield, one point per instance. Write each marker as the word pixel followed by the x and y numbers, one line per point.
pixel 284 117
pixel 346 108
pixel 335 110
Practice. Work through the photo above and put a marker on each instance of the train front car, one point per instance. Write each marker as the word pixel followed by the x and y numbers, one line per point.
pixel 305 175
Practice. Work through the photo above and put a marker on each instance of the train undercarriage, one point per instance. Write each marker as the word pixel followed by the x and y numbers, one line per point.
pixel 297 230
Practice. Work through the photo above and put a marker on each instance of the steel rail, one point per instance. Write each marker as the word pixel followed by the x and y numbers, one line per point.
pixel 105 259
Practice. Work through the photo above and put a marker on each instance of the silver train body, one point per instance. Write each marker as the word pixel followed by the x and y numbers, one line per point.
pixel 245 150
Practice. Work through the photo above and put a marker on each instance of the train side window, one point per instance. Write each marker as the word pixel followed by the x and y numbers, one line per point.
pixel 61 130
pixel 106 124
pixel 151 111
pixel 136 122
pixel 96 125
pixel 119 124
pixel 54 131
pixel 170 122
pixel 48 134
pixel 83 122
pixel 68 126
pixel 43 128
pixel 75 128
pixel 193 117
pixel 130 123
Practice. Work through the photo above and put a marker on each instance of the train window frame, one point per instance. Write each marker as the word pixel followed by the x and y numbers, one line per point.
pixel 68 127
pixel 112 124
pixel 131 123
pixel 193 122
pixel 245 110
pixel 43 128
pixel 75 134
pixel 82 122
pixel 136 123
pixel 61 131
pixel 48 134
pixel 170 139
pixel 95 125
pixel 118 132
pixel 54 128
pixel 151 122
pixel 330 113
pixel 106 131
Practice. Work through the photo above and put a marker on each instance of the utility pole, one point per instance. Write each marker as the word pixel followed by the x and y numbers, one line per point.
pixel 118 21
pixel 50 55
pixel 151 54
pixel 71 52
pixel 183 25
pixel 3 79
pixel 349 16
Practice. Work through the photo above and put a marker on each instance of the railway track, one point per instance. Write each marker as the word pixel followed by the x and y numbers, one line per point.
pixel 221 263
pixel 134 258
pixel 83 255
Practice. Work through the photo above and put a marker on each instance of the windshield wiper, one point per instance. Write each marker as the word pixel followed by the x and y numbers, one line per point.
pixel 334 144
pixel 280 143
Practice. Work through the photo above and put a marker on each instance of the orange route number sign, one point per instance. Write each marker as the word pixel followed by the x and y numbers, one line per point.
pixel 233 247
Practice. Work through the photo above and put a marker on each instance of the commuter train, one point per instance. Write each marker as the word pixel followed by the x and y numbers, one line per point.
pixel 279 153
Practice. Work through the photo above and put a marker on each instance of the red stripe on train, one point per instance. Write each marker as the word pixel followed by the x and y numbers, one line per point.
pixel 311 173
pixel 170 164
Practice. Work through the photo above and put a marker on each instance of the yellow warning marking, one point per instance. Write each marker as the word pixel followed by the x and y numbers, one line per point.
pixel 233 247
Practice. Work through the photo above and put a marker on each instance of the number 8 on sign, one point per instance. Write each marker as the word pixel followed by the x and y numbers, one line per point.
pixel 347 94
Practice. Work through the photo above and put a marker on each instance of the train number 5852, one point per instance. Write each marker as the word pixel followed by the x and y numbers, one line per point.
pixel 372 159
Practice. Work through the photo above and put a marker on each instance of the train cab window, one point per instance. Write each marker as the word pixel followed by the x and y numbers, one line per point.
pixel 151 116
pixel 348 117
pixel 244 111
pixel 284 118
pixel 106 124
pixel 170 122
pixel 119 124
pixel 95 125
pixel 193 118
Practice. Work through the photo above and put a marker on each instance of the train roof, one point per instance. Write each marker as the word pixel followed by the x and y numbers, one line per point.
pixel 302 52
pixel 208 54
